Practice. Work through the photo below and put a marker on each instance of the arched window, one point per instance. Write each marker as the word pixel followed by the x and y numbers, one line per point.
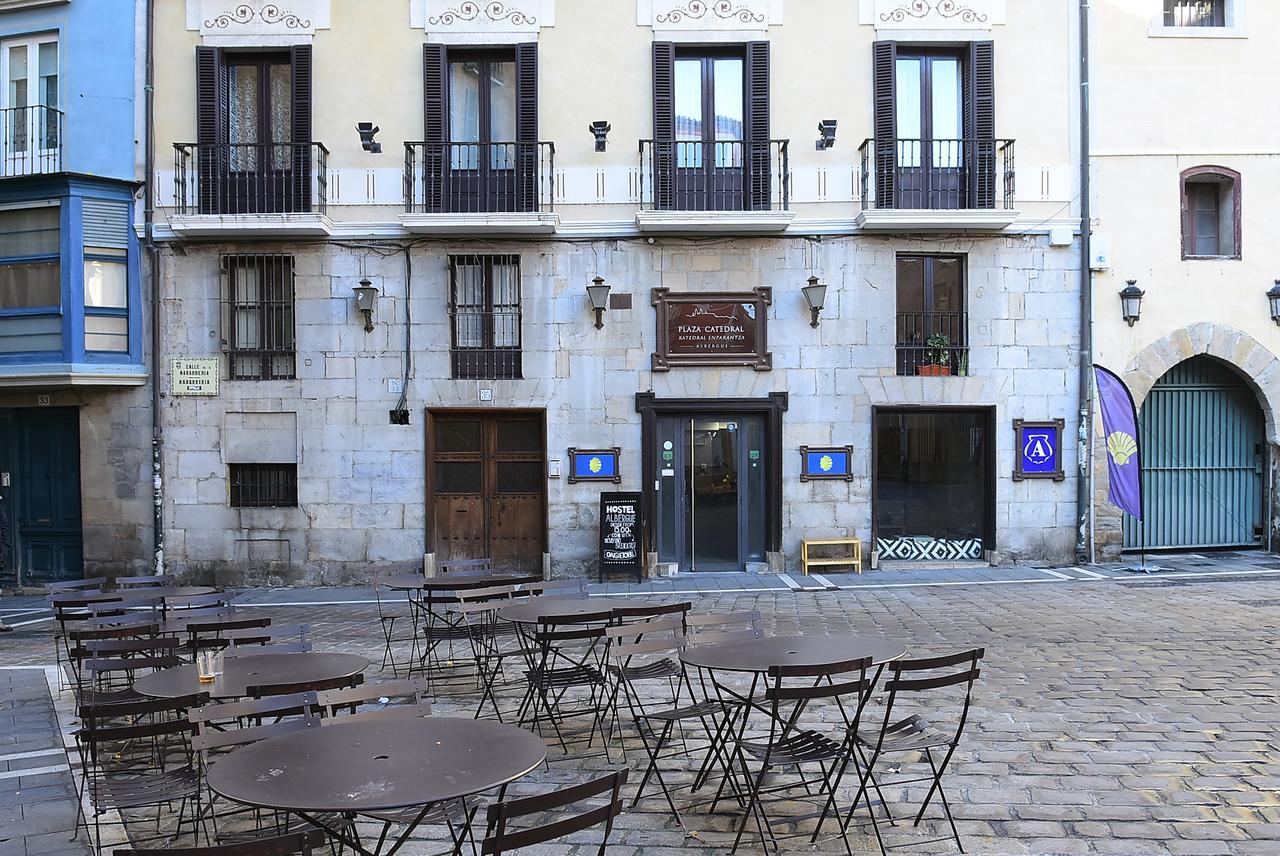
pixel 1210 213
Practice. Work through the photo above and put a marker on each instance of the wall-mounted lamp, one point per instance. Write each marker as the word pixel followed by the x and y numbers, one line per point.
pixel 366 130
pixel 815 294
pixel 601 130
pixel 1131 302
pixel 366 299
pixel 1273 297
pixel 598 295
pixel 827 132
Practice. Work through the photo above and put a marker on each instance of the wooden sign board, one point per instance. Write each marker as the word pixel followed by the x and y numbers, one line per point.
pixel 726 328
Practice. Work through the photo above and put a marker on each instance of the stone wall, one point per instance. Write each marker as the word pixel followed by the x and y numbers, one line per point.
pixel 361 482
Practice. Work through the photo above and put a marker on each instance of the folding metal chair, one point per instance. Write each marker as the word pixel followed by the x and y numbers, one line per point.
pixel 385 596
pixel 710 628
pixel 915 734
pixel 499 839
pixel 487 634
pixel 264 690
pixel 381 696
pixel 792 746
pixel 283 845
pixel 148 581
pixel 272 639
pixel 562 655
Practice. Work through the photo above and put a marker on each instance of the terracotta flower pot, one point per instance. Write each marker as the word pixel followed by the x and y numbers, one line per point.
pixel 935 370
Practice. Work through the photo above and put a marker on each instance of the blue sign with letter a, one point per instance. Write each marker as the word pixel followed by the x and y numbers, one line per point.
pixel 1039 451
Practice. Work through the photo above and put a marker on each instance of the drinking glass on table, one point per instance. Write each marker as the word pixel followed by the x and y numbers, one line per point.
pixel 208 665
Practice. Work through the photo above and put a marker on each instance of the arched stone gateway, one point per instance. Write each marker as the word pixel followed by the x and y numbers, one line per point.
pixel 1255 372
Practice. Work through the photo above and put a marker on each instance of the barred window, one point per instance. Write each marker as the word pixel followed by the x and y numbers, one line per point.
pixel 264 485
pixel 257 316
pixel 484 307
pixel 1195 13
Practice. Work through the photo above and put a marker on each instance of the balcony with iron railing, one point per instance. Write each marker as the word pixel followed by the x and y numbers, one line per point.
pixel 496 187
pixel 714 186
pixel 933 344
pixel 251 190
pixel 936 185
pixel 30 141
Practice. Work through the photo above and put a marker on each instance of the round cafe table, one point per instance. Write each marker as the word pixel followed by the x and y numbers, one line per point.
pixel 240 673
pixel 376 765
pixel 535 608
pixel 757 655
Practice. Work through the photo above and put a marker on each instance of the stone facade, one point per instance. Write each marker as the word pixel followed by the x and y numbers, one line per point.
pixel 361 485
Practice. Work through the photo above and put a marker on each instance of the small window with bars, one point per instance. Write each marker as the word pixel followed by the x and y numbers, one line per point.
pixel 257 316
pixel 484 308
pixel 264 485
pixel 1195 13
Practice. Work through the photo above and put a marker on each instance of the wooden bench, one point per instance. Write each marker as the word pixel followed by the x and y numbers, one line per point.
pixel 852 558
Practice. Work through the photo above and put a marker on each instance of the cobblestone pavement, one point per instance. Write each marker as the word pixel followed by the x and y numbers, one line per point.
pixel 1124 715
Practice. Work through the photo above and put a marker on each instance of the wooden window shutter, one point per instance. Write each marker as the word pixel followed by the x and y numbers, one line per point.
pixel 527 162
pixel 211 131
pixel 664 125
pixel 435 77
pixel 885 121
pixel 757 126
pixel 300 56
pixel 980 124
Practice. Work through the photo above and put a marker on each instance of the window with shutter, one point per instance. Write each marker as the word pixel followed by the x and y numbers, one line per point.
pixel 1210 213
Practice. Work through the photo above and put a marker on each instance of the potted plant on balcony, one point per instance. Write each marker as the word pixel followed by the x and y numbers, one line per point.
pixel 936 358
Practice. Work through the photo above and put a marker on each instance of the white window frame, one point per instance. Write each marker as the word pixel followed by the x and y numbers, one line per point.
pixel 1234 29
pixel 21 162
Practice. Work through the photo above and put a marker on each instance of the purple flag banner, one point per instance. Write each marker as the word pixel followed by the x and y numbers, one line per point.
pixel 1120 425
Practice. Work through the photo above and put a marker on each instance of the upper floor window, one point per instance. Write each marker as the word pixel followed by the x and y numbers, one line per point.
pixel 1210 213
pixel 254 153
pixel 257 319
pixel 711 148
pixel 30 261
pixel 932 323
pixel 1195 13
pixel 480 152
pixel 935 130
pixel 484 307
pixel 30 119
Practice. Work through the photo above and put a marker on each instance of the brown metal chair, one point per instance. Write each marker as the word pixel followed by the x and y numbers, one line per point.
pixel 562 655
pixel 914 734
pixel 499 839
pixel 446 566
pixel 272 639
pixel 264 690
pixel 128 752
pixel 409 692
pixel 148 581
pixel 710 628
pixel 282 845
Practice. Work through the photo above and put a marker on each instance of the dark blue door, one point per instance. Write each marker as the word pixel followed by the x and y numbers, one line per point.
pixel 43 498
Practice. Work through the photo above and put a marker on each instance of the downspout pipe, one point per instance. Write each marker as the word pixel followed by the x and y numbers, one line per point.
pixel 153 279
pixel 1085 548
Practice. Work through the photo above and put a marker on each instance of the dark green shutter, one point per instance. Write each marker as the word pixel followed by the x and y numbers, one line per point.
pixel 528 176
pixel 757 126
pixel 664 125
pixel 885 123
pixel 435 76
pixel 300 198
pixel 980 125
pixel 211 129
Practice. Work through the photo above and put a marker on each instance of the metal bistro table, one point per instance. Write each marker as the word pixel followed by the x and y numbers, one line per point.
pixel 428 595
pixel 240 673
pixel 376 765
pixel 755 657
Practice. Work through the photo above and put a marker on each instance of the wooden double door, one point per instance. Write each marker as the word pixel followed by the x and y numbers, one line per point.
pixel 487 487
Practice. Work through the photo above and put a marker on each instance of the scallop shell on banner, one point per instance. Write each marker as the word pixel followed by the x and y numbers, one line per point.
pixel 1122 447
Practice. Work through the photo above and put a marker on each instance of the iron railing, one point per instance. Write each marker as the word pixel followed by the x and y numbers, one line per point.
pixel 486 344
pixel 30 141
pixel 1195 13
pixel 263 485
pixel 722 175
pixel 917 355
pixel 258 316
pixel 479 178
pixel 251 178
pixel 936 175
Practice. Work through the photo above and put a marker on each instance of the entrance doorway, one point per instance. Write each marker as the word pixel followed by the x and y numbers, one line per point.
pixel 934 492
pixel 40 455
pixel 1203 458
pixel 487 487
pixel 711 491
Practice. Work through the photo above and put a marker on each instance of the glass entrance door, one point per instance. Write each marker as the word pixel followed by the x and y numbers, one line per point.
pixel 711 492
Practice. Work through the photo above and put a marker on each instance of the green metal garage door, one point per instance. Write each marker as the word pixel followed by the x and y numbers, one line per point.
pixel 1203 442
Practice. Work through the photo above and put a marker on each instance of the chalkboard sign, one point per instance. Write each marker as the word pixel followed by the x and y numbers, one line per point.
pixel 620 534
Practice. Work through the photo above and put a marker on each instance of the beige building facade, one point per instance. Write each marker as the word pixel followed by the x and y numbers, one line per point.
pixel 1183 179
pixel 480 408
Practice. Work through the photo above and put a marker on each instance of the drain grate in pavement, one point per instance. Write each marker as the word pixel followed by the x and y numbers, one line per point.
pixel 1157 584
pixel 1265 602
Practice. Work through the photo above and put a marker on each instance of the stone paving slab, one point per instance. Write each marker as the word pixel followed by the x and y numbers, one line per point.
pixel 37 791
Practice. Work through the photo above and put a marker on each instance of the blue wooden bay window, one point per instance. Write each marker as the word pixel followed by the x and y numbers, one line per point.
pixel 70 301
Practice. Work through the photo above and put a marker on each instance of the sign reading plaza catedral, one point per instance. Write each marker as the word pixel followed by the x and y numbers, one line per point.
pixel 712 329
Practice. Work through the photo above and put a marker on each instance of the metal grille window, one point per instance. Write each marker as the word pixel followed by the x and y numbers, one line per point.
pixel 257 316
pixel 1195 13
pixel 264 485
pixel 484 307
pixel 933 326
